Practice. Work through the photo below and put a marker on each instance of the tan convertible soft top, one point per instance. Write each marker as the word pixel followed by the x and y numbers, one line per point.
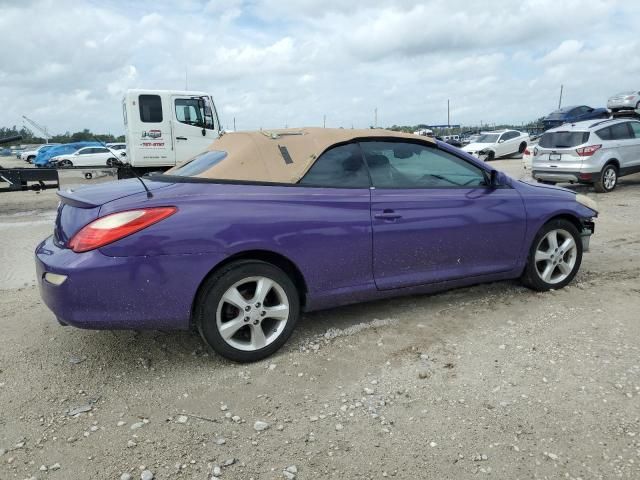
pixel 283 156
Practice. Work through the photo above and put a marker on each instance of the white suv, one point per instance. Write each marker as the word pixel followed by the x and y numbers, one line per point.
pixel 592 152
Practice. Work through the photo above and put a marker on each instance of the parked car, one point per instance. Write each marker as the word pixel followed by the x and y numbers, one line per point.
pixel 43 158
pixel 572 114
pixel 88 157
pixel 496 144
pixel 30 155
pixel 587 152
pixel 624 101
pixel 241 239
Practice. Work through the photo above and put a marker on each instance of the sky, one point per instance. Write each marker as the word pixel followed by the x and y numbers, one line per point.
pixel 276 63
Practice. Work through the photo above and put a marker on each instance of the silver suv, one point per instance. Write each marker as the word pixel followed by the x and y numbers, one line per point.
pixel 588 152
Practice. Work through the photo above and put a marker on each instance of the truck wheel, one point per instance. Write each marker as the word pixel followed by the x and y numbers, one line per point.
pixel 608 179
pixel 554 257
pixel 247 310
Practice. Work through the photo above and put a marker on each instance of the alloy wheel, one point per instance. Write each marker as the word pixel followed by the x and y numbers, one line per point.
pixel 609 178
pixel 555 256
pixel 252 313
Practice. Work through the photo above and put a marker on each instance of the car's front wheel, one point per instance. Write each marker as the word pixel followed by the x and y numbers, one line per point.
pixel 247 310
pixel 65 164
pixel 554 257
pixel 608 179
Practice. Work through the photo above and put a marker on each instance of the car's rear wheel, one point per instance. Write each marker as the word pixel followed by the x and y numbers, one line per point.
pixel 522 147
pixel 608 179
pixel 247 310
pixel 554 257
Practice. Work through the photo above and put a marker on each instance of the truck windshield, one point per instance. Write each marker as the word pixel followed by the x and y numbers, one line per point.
pixel 198 164
pixel 563 139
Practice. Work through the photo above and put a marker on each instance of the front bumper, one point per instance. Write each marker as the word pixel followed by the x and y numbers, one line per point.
pixel 102 292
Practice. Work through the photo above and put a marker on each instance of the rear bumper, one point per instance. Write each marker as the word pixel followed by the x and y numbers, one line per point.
pixel 102 292
pixel 563 176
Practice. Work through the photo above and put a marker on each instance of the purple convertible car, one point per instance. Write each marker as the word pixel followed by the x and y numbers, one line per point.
pixel 241 239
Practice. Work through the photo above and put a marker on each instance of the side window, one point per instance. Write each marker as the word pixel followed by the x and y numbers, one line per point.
pixel 635 128
pixel 150 108
pixel 604 134
pixel 85 151
pixel 100 150
pixel 340 167
pixel 621 131
pixel 510 135
pixel 411 165
pixel 193 112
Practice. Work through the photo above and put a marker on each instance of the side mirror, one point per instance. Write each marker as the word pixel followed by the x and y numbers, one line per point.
pixel 495 179
pixel 123 154
pixel 501 141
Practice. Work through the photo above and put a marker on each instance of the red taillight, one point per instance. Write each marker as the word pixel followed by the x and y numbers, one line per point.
pixel 630 97
pixel 588 151
pixel 527 152
pixel 115 226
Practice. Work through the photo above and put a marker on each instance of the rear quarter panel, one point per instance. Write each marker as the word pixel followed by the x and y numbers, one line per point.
pixel 325 232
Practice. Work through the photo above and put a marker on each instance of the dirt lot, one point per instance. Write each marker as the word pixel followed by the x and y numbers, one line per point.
pixel 491 381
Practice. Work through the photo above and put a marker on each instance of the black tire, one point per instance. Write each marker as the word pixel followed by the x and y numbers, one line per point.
pixel 602 185
pixel 638 106
pixel 530 277
pixel 522 147
pixel 112 162
pixel 30 159
pixel 211 295
pixel 491 156
pixel 65 164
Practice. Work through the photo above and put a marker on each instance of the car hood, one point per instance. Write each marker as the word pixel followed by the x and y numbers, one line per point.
pixel 473 147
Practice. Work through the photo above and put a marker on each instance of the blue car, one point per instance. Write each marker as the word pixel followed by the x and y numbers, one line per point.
pixel 42 159
pixel 572 114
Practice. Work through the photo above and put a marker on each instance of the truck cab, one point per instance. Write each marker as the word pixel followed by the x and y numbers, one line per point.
pixel 165 127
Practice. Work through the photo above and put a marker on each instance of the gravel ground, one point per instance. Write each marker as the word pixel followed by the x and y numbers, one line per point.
pixel 491 381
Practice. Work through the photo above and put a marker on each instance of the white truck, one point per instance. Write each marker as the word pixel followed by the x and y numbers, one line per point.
pixel 162 128
pixel 166 127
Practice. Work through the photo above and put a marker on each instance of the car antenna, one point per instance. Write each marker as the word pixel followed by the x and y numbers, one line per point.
pixel 129 168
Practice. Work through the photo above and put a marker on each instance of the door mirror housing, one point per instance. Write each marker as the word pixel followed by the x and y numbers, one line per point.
pixel 495 179
pixel 501 140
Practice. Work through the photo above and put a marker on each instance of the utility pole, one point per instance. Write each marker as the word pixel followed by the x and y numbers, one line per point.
pixel 375 117
pixel 234 124
pixel 560 101
pixel 324 121
pixel 448 115
pixel 186 78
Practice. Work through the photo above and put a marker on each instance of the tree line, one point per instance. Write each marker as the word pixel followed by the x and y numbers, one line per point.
pixel 28 137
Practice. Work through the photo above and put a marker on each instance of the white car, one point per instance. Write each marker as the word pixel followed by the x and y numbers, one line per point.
pixel 117 146
pixel 31 154
pixel 499 143
pixel 89 157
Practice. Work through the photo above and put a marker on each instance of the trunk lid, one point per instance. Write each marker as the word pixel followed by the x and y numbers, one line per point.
pixel 80 206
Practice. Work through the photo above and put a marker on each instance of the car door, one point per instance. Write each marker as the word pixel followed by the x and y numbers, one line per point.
pixel 193 126
pixel 83 157
pixel 634 161
pixel 624 138
pixel 435 219
pixel 502 146
pixel 509 145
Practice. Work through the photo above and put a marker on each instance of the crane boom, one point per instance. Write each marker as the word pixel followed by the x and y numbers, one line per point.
pixel 40 128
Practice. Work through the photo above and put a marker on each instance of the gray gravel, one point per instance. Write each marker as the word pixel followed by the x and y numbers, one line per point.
pixel 491 381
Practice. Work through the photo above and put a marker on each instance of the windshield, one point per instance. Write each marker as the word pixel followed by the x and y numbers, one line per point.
pixel 488 138
pixel 563 139
pixel 198 164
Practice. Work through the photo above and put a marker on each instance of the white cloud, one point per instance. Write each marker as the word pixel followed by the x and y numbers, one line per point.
pixel 276 62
